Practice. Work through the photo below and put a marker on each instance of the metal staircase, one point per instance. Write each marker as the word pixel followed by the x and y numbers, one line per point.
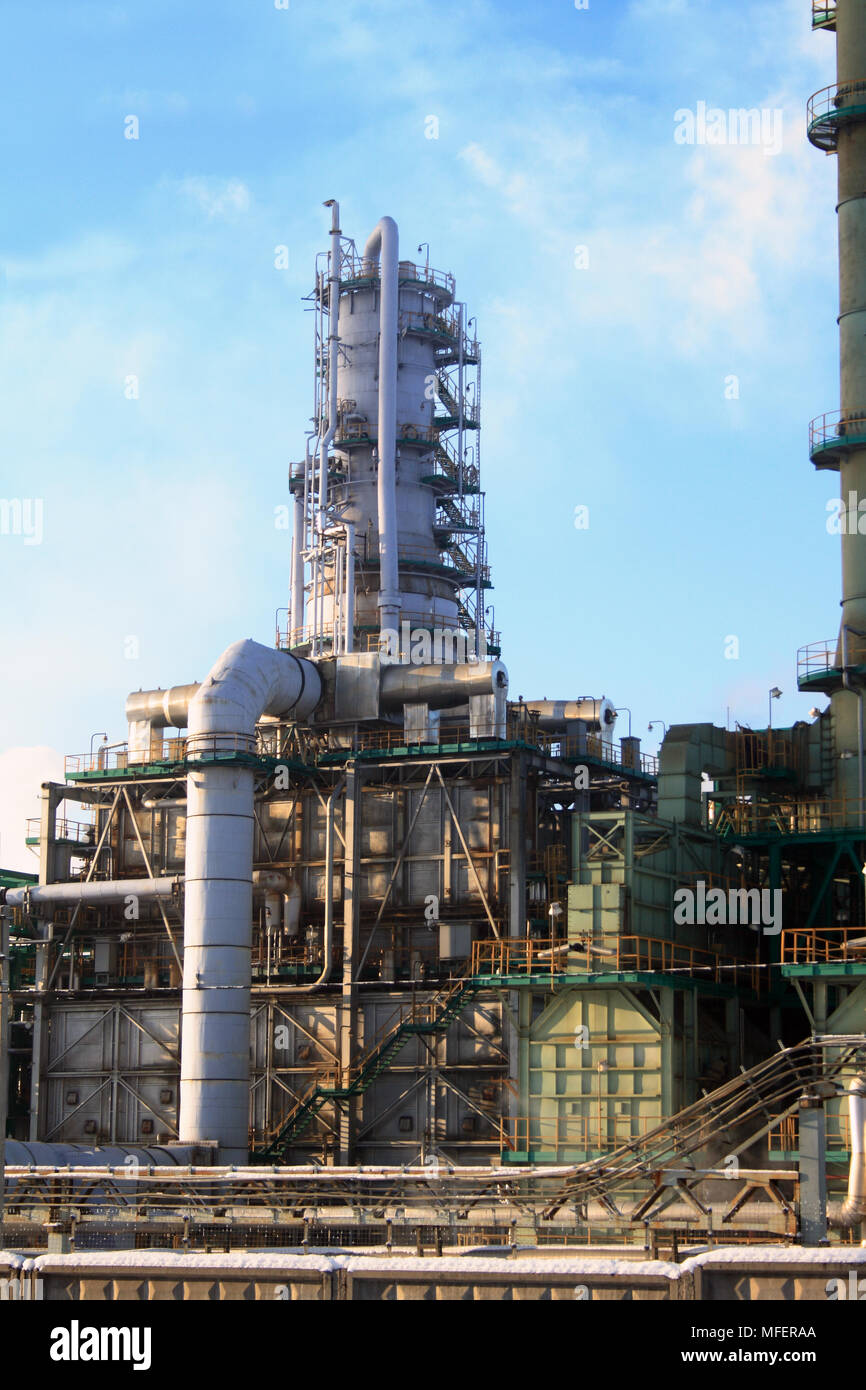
pixel 434 1017
pixel 448 479
pixel 455 411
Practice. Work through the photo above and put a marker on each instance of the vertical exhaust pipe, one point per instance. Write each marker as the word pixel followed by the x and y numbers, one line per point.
pixel 383 249
pixel 247 681
pixel 853 1209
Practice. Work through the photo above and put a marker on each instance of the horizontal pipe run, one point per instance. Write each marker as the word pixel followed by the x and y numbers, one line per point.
pixel 162 709
pixel 109 891
pixel 598 715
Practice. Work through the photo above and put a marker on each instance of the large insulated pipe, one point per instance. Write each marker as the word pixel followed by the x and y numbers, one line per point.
pixel 164 709
pixel 333 340
pixel 440 687
pixel 598 715
pixel 147 710
pixel 383 249
pixel 106 891
pixel 247 681
pixel 853 1209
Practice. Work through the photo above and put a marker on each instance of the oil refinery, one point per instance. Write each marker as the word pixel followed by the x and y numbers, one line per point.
pixel 353 958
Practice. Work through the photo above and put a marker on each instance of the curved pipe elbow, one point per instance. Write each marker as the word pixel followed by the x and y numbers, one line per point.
pixel 849 1213
pixel 383 236
pixel 250 680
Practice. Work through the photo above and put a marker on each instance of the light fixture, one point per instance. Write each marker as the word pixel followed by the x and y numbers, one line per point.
pixel 774 694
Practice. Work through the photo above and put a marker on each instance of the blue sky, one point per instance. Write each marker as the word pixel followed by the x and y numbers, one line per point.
pixel 602 386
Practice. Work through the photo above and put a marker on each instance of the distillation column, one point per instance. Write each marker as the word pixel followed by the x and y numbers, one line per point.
pixel 388 503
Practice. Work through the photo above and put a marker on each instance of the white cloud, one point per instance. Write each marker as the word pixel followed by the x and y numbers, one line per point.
pixel 217 197
pixel 700 249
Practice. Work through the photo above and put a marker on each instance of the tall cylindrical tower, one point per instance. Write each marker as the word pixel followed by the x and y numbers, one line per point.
pixel 389 522
pixel 837 124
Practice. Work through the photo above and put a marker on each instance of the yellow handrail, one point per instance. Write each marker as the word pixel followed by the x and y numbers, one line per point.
pixel 822 945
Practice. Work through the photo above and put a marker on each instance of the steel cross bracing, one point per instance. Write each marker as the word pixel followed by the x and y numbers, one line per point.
pixel 741 1111
pixel 440 1013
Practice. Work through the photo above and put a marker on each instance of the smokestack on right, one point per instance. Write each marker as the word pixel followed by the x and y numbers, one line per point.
pixel 837 125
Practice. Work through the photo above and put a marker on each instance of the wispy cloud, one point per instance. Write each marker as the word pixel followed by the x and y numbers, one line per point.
pixel 218 198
